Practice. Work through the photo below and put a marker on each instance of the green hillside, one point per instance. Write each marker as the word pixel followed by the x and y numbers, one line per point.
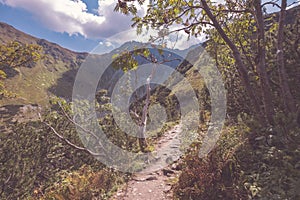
pixel 32 85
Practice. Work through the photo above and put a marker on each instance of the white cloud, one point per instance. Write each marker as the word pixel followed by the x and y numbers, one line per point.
pixel 106 43
pixel 71 16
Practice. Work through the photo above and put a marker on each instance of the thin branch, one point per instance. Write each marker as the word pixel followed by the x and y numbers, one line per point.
pixel 190 26
pixel 295 2
pixel 76 124
pixel 271 3
pixel 233 11
pixel 179 16
pixel 82 128
pixel 72 144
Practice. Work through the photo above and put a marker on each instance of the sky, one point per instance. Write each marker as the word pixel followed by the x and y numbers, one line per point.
pixel 79 25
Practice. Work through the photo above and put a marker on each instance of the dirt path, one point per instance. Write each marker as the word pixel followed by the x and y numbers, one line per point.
pixel 155 185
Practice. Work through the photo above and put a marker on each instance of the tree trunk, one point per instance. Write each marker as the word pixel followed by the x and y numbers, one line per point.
pixel 288 100
pixel 238 60
pixel 142 138
pixel 261 65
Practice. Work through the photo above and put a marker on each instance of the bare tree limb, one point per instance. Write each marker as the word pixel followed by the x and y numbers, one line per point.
pixel 83 129
pixel 271 3
pixel 72 144
pixel 295 2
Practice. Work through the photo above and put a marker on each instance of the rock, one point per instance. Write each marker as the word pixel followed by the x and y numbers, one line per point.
pixel 151 178
pixel 166 172
pixel 167 189
pixel 176 167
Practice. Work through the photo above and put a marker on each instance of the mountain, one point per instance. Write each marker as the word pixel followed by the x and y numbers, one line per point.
pixel 32 85
pixel 112 74
pixel 167 57
pixel 56 72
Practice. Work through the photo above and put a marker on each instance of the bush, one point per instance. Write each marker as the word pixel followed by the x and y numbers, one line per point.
pixel 84 183
pixel 217 176
pixel 247 163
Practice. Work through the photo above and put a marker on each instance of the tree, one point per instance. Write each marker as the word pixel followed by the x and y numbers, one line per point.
pixel 195 17
pixel 289 102
pixel 13 55
pixel 261 64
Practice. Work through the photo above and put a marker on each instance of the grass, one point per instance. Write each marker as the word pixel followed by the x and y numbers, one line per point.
pixel 31 85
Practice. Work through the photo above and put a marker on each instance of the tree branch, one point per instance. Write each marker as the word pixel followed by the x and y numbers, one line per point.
pixel 72 144
pixel 82 128
pixel 237 55
pixel 271 3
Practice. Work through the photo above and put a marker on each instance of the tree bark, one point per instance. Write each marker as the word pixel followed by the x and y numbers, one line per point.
pixel 288 100
pixel 142 137
pixel 238 60
pixel 261 65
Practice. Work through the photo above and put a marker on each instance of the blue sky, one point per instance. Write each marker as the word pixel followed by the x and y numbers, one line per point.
pixel 30 16
pixel 79 25
pixel 25 22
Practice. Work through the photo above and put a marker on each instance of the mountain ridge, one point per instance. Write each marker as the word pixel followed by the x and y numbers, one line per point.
pixel 56 72
pixel 31 85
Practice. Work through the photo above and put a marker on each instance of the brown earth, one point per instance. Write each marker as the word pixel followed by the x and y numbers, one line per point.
pixel 154 185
